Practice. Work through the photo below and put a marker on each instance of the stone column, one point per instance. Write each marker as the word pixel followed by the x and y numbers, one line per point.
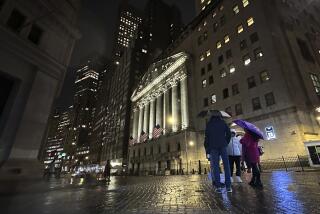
pixel 166 125
pixel 152 116
pixel 140 122
pixel 146 118
pixel 159 111
pixel 135 123
pixel 184 103
pixel 175 114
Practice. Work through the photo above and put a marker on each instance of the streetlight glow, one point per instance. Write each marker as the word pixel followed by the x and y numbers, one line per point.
pixel 191 143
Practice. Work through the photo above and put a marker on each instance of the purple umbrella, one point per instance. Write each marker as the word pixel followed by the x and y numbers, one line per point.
pixel 250 127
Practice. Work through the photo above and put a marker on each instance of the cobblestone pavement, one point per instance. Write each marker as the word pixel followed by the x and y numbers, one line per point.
pixel 283 193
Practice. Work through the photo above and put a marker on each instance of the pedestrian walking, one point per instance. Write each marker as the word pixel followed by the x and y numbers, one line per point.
pixel 252 157
pixel 107 170
pixel 234 152
pixel 217 137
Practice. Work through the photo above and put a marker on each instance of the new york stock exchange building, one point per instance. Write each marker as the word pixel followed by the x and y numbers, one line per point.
pixel 162 138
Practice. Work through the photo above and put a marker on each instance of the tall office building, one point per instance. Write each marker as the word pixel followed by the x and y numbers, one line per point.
pixel 129 21
pixel 233 56
pixel 37 40
pixel 201 5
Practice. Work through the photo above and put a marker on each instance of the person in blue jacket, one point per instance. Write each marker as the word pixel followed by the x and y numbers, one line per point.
pixel 217 138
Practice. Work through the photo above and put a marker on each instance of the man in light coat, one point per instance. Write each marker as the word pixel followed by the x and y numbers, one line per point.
pixel 234 152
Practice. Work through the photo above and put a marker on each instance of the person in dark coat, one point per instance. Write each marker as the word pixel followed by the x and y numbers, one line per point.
pixel 217 138
pixel 107 170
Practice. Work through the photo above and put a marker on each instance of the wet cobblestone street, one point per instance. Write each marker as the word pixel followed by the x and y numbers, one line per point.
pixel 283 193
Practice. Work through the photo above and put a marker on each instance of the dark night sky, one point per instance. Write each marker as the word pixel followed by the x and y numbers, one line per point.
pixel 96 23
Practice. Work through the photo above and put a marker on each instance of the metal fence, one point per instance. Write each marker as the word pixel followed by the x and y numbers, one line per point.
pixel 295 163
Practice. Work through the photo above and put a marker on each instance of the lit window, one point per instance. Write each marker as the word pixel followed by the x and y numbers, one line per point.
pixel 316 83
pixel 209 2
pixel 232 69
pixel 204 7
pixel 144 51
pixel 204 83
pixel 202 1
pixel 264 76
pixel 223 73
pixel 250 21
pixel 236 9
pixel 246 60
pixel 201 58
pixel 219 45
pixel 245 3
pixel 208 53
pixel 204 23
pixel 226 39
pixel 258 53
pixel 213 98
pixel 221 8
pixel 240 29
pixel 214 14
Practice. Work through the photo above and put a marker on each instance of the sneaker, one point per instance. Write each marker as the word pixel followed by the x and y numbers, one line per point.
pixel 238 179
pixel 229 189
pixel 231 179
pixel 218 190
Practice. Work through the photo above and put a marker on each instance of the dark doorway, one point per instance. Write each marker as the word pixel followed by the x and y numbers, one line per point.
pixel 168 164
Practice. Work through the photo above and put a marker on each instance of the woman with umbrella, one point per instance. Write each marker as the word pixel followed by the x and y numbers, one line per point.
pixel 250 150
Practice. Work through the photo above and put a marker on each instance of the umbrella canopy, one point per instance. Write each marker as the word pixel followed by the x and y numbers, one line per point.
pixel 216 113
pixel 250 127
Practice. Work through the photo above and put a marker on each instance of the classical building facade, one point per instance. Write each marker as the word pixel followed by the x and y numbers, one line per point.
pixel 257 67
pixel 37 40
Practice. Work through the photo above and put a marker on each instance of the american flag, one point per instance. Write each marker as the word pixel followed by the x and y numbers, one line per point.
pixel 143 137
pixel 157 131
pixel 132 141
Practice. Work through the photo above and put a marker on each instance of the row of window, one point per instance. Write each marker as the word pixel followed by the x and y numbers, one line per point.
pixel 256 104
pixel 235 9
pixel 168 149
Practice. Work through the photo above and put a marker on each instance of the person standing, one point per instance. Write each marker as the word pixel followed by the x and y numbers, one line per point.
pixel 252 157
pixel 217 137
pixel 107 170
pixel 234 152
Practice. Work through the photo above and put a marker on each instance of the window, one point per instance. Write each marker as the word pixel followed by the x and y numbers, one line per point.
pixel 245 3
pixel 236 9
pixel 226 39
pixel 232 69
pixel 254 37
pixel 35 34
pixel 168 147
pixel 134 153
pixel 205 35
pixel 229 110
pixel 225 93
pixel 208 53
pixel 214 14
pixel 200 40
pixel 316 83
pixel 229 54
pixel 215 27
pixel 250 21
pixel 179 147
pixel 213 98
pixel 304 49
pixel 209 67
pixel 243 44
pixel 221 8
pixel 256 103
pixel 246 60
pixel 264 76
pixel 201 57
pixel 205 102
pixel 145 152
pixel 251 82
pixel 151 150
pixel 159 149
pixel 235 89
pixel 238 109
pixel 223 73
pixel 16 21
pixel 219 45
pixel 210 80
pixel 257 53
pixel 220 59
pixel 269 99
pixel 203 71
pixel 222 20
pixel 240 29
pixel 204 83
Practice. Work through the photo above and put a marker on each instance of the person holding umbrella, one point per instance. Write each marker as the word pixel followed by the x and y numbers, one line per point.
pixel 250 150
pixel 217 138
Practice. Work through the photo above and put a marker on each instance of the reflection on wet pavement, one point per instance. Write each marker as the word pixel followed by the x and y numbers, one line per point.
pixel 283 193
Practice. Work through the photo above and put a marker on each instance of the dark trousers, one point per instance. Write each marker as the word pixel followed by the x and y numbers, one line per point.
pixel 235 160
pixel 255 173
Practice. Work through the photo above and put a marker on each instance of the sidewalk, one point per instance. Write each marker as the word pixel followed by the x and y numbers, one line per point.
pixel 284 192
